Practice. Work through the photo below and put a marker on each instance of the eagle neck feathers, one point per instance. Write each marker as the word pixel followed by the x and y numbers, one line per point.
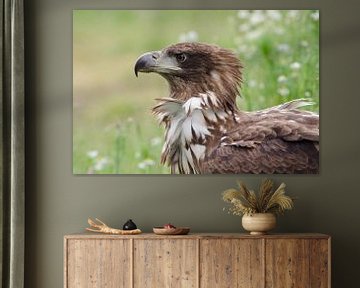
pixel 193 127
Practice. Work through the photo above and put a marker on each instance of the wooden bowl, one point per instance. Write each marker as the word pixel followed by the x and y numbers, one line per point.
pixel 171 231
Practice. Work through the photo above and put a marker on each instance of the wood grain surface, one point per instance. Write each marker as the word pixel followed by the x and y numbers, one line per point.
pixel 320 263
pixel 197 261
pixel 165 263
pixel 287 263
pixel 98 263
pixel 229 263
pixel 88 235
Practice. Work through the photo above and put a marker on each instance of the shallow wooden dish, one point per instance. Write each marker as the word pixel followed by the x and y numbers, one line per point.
pixel 171 231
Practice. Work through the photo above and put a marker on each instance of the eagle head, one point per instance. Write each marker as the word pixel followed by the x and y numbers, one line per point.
pixel 195 68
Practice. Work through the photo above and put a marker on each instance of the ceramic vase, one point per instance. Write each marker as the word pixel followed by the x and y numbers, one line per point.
pixel 259 223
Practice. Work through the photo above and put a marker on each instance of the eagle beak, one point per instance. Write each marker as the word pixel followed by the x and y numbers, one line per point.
pixel 147 62
pixel 156 61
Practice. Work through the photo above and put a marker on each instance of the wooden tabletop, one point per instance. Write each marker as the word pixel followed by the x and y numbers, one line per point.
pixel 89 235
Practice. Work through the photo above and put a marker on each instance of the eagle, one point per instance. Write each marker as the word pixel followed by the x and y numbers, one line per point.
pixel 206 132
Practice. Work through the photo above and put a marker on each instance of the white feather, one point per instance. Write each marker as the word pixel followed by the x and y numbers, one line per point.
pixel 174 128
pixel 222 115
pixel 168 107
pixel 210 115
pixel 198 150
pixel 186 129
pixel 189 158
pixel 198 124
pixel 192 104
pixel 213 98
pixel 183 120
pixel 184 162
pixel 205 99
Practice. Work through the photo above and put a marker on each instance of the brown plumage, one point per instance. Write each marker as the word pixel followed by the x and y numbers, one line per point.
pixel 205 130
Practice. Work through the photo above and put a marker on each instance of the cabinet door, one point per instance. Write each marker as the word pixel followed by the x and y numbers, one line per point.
pixel 287 263
pixel 165 263
pixel 98 263
pixel 231 263
pixel 320 263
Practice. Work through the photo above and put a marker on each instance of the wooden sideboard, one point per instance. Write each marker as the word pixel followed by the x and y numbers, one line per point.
pixel 197 260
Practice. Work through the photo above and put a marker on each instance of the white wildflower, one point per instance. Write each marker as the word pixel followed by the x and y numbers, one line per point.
pixel 283 47
pixel 101 164
pixel 307 94
pixel 243 14
pixel 149 162
pixel 295 66
pixel 279 30
pixel 283 91
pixel 146 163
pixel 244 27
pixel 142 165
pixel 92 154
pixel 315 16
pixel 293 13
pixel 253 35
pixel 257 17
pixel 242 49
pixel 155 141
pixel 274 15
pixel 191 36
pixel 252 83
pixel 282 79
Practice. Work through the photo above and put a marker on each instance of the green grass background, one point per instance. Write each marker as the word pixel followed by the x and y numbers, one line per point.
pixel 113 129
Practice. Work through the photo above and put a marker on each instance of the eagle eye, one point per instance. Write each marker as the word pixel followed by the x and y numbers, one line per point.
pixel 180 57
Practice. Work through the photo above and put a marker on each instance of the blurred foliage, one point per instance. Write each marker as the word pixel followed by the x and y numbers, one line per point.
pixel 113 129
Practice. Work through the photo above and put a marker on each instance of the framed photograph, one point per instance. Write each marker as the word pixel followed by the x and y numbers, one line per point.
pixel 228 92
